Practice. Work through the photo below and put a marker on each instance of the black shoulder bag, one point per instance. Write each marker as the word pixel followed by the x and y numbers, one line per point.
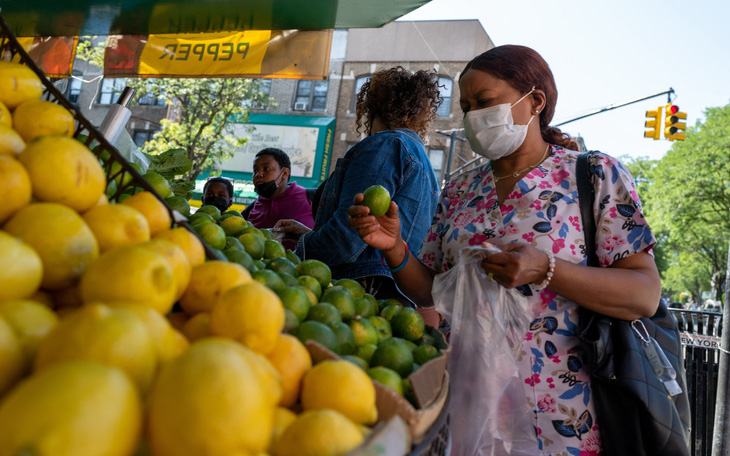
pixel 636 367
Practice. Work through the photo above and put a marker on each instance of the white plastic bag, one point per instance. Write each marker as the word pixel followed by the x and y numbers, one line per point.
pixel 489 411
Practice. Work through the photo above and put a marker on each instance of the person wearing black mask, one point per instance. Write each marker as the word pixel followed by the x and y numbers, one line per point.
pixel 218 192
pixel 278 198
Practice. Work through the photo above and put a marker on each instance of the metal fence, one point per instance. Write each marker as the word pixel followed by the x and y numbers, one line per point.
pixel 701 334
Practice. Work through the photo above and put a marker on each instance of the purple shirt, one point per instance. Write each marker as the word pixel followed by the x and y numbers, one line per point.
pixel 292 204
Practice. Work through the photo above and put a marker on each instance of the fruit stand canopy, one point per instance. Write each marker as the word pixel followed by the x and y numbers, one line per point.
pixel 142 17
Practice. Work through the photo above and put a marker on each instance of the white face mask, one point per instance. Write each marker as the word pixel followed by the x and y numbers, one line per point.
pixel 492 131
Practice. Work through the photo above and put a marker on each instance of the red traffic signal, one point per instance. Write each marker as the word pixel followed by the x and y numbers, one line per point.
pixel 673 128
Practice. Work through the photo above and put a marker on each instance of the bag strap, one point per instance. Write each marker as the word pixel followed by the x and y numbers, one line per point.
pixel 586 199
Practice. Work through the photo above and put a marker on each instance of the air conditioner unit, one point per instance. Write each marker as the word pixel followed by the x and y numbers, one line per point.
pixel 301 106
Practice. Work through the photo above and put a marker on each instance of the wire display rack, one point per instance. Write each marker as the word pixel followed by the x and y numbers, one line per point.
pixel 116 167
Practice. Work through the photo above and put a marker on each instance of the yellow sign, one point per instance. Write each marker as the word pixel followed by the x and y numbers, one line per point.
pixel 204 54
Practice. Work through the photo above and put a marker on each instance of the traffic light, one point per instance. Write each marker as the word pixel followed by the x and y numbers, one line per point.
pixel 654 124
pixel 673 128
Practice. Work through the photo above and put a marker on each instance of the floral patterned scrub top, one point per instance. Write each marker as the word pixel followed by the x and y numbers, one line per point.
pixel 543 210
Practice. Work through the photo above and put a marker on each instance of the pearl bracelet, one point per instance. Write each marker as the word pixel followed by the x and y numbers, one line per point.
pixel 551 269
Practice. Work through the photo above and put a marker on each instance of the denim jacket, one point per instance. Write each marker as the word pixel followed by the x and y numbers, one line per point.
pixel 395 159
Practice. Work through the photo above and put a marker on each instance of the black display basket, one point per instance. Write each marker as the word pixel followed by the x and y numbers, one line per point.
pixel 85 132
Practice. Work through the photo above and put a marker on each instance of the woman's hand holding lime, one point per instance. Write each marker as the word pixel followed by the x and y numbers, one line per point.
pixel 382 232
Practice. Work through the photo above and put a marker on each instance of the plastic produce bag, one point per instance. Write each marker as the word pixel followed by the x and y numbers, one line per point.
pixel 489 410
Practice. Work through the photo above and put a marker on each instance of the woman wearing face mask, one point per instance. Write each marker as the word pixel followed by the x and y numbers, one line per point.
pixel 395 108
pixel 524 201
pixel 278 198
pixel 218 192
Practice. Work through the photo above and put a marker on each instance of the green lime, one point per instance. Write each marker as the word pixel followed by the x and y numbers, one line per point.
pixel 366 307
pixel 352 286
pixel 295 300
pixel 240 257
pixel 159 183
pixel 111 188
pixel 259 264
pixel 408 324
pixel 377 198
pixel 256 231
pixel 267 234
pixel 386 377
pixel 389 311
pixel 213 235
pixel 233 243
pixel 316 269
pixel 382 327
pixel 273 249
pixel 340 298
pixel 411 346
pixel 232 225
pixel 178 203
pixel 424 353
pixel 253 245
pixel 394 354
pixel 324 312
pixel 200 216
pixel 344 337
pixel 210 210
pixel 366 351
pixel 200 222
pixel 282 264
pixel 293 257
pixel 312 298
pixel 218 254
pixel 319 332
pixel 289 280
pixel 232 212
pixel 311 283
pixel 383 303
pixel 364 331
pixel 356 360
pixel 426 339
pixel 291 322
pixel 269 278
pixel 115 169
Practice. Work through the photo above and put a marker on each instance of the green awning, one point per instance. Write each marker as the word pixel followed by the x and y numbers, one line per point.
pixel 142 17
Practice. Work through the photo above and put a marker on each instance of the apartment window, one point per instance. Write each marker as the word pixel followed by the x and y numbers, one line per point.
pixel 111 89
pixel 140 137
pixel 446 86
pixel 436 157
pixel 311 96
pixel 358 85
pixel 74 88
pixel 151 99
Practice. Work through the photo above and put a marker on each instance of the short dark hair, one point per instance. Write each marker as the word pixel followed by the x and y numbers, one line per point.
pixel 279 155
pixel 222 180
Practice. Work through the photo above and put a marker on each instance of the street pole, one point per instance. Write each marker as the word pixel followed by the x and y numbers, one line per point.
pixel 721 432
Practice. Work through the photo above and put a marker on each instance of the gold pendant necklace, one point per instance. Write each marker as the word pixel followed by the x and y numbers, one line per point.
pixel 529 168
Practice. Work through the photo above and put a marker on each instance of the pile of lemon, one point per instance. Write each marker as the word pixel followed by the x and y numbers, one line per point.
pixel 93 361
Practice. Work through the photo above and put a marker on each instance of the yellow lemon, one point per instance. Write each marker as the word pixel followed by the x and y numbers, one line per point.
pixel 267 375
pixel 12 359
pixel 18 83
pixel 132 274
pixel 21 269
pixel 283 417
pixel 62 170
pixel 61 238
pixel 15 190
pixel 319 433
pixel 11 143
pixel 115 225
pixel 77 408
pixel 36 118
pixel 165 339
pixel 197 326
pixel 292 360
pixel 187 241
pixel 208 281
pixel 5 117
pixel 31 321
pixel 210 400
pixel 179 262
pixel 251 314
pixel 340 385
pixel 109 335
pixel 153 209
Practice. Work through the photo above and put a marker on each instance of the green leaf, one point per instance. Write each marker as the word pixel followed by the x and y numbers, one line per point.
pixel 182 187
pixel 171 163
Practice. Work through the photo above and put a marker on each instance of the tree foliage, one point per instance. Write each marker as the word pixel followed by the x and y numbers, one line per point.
pixel 687 202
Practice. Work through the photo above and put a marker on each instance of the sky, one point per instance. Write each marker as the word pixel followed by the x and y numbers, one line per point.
pixel 605 53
